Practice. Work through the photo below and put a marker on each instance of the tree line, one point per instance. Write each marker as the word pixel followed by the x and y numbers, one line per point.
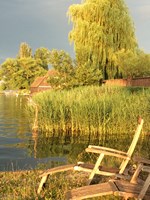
pixel 105 47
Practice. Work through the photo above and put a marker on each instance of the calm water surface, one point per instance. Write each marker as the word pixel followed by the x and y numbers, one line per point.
pixel 19 148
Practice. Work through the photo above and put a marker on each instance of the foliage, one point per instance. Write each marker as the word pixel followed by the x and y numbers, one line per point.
pixel 20 73
pixel 61 61
pixel 28 70
pixel 133 64
pixel 70 75
pixel 64 67
pixel 100 29
pixel 25 51
pixel 87 75
pixel 42 56
pixel 8 69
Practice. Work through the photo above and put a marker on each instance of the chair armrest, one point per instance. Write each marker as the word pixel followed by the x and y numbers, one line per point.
pixel 107 149
pixel 146 169
pixel 144 161
pixel 109 153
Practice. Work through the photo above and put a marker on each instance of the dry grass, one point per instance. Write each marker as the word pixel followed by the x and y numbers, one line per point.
pixel 23 185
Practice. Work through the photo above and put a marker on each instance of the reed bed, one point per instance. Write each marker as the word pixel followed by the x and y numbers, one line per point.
pixel 92 110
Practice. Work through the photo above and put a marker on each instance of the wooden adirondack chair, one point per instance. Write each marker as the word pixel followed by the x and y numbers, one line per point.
pixel 104 151
pixel 96 168
pixel 134 189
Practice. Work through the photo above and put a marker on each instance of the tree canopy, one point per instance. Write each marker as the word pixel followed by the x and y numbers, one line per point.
pixel 101 28
pixel 42 56
pixel 20 72
pixel 64 66
pixel 25 50
pixel 134 64
pixel 69 74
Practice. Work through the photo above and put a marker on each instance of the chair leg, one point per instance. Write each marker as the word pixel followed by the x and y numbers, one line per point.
pixel 99 160
pixel 43 181
pixel 136 173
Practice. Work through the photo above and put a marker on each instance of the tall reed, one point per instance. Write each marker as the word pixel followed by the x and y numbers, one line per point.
pixel 92 110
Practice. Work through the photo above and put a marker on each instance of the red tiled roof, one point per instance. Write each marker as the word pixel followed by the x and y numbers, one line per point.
pixel 37 81
pixel 42 81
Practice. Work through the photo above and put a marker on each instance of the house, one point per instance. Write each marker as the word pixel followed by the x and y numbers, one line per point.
pixel 40 83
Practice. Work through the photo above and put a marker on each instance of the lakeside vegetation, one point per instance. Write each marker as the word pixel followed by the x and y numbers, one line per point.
pixel 92 110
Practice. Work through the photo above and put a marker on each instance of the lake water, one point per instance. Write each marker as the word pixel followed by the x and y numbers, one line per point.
pixel 19 148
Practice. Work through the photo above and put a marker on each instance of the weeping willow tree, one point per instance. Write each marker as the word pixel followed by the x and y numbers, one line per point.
pixel 101 28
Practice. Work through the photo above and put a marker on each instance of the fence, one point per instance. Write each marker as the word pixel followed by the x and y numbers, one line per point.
pixel 139 81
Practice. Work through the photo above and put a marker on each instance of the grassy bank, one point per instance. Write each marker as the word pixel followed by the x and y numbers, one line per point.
pixel 92 110
pixel 23 186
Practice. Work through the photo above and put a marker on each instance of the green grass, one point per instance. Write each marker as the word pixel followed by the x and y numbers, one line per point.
pixel 23 186
pixel 93 110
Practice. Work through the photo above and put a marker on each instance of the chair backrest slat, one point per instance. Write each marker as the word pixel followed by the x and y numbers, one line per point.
pixel 136 137
pixel 132 146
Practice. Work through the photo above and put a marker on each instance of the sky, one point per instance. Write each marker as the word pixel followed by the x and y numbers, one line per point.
pixel 44 23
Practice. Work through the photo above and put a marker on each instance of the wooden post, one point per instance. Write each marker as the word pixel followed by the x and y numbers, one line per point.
pixel 35 124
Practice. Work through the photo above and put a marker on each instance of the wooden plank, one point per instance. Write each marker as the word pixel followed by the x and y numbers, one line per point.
pixel 136 173
pixel 141 160
pixel 86 165
pixel 125 194
pixel 107 149
pixel 118 188
pixel 136 137
pixel 125 186
pixel 91 191
pixel 145 187
pixel 102 170
pixel 107 153
pixel 43 180
pixel 58 169
pixel 146 169
pixel 132 189
pixel 127 190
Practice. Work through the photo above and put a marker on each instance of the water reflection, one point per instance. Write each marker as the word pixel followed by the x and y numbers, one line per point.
pixel 14 130
pixel 22 149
